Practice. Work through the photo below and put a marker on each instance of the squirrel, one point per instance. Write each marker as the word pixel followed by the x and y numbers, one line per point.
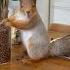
pixel 60 47
pixel 33 32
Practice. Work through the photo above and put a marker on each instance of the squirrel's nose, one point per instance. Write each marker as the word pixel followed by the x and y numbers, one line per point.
pixel 28 12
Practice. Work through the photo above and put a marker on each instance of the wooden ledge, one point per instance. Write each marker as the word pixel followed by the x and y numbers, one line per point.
pixel 59 28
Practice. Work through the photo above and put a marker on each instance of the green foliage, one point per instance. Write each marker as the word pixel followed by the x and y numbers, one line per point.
pixel 1 3
pixel 14 0
pixel 3 8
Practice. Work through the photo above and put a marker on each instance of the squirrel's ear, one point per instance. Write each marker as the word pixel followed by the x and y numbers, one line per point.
pixel 34 3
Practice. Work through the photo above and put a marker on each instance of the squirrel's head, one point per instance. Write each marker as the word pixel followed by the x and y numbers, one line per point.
pixel 25 17
pixel 27 5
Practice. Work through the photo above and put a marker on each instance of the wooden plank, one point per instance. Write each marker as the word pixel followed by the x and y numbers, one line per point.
pixel 59 27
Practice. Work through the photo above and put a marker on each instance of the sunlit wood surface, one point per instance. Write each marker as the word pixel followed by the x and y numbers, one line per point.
pixel 19 62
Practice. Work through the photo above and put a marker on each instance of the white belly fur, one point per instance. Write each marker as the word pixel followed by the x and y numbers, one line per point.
pixel 25 35
pixel 39 47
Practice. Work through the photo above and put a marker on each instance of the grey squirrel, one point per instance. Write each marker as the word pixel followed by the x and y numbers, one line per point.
pixel 34 34
pixel 60 47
